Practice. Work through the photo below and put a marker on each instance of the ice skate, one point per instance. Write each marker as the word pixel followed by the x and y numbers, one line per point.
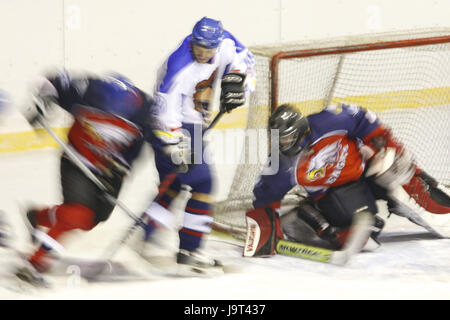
pixel 29 274
pixel 154 244
pixel 373 243
pixel 194 263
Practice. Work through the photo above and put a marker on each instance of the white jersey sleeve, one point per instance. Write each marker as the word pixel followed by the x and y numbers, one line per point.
pixel 242 61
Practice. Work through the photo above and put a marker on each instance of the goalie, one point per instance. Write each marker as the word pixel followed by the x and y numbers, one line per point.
pixel 346 160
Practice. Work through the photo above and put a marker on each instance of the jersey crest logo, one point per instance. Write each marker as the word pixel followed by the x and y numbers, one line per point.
pixel 318 164
pixel 203 95
pixel 316 174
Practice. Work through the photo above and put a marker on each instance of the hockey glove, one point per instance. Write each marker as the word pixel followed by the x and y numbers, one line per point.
pixel 41 103
pixel 381 139
pixel 233 91
pixel 180 154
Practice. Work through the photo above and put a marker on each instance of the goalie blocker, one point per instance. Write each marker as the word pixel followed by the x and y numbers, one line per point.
pixel 263 231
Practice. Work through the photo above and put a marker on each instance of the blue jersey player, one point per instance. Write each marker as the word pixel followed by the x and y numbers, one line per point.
pixel 183 95
pixel 110 120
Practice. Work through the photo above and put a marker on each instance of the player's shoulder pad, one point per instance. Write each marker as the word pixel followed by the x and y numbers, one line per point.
pixel 176 62
pixel 228 37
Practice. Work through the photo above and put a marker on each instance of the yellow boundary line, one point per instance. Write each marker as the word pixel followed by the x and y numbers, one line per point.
pixel 407 99
pixel 30 140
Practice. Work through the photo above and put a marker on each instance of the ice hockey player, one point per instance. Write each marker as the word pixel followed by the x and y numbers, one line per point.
pixel 184 94
pixel 345 159
pixel 107 134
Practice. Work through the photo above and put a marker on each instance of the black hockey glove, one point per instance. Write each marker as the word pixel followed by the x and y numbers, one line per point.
pixel 233 91
pixel 35 111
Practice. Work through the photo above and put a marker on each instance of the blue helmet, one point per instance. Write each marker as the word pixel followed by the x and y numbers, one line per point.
pixel 114 94
pixel 207 33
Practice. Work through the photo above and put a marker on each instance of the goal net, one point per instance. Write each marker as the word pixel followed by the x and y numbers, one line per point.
pixel 403 77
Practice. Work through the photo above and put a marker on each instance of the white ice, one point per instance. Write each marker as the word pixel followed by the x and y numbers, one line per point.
pixel 410 264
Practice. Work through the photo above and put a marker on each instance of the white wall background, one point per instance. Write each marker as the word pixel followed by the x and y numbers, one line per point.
pixel 133 37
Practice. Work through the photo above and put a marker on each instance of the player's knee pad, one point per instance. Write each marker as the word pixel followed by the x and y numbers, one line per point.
pixel 160 214
pixel 75 216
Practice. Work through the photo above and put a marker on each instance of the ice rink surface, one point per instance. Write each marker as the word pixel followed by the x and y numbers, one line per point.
pixel 410 264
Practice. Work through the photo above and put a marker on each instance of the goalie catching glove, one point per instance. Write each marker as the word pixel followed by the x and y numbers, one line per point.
pixel 233 91
pixel 392 167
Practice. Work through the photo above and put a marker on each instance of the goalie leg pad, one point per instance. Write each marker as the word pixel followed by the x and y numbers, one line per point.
pixel 402 204
pixel 428 196
pixel 263 230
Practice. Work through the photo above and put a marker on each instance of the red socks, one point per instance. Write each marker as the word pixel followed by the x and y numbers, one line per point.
pixel 59 220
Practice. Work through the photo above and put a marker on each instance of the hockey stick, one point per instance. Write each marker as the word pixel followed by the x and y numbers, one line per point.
pixel 358 237
pixel 300 250
pixel 214 121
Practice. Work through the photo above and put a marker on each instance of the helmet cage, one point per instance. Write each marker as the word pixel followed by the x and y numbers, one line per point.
pixel 292 128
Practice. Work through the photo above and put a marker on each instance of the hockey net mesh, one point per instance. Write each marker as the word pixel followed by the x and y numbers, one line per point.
pixel 408 88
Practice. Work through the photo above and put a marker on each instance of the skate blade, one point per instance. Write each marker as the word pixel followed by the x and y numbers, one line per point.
pixel 184 270
pixel 35 283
